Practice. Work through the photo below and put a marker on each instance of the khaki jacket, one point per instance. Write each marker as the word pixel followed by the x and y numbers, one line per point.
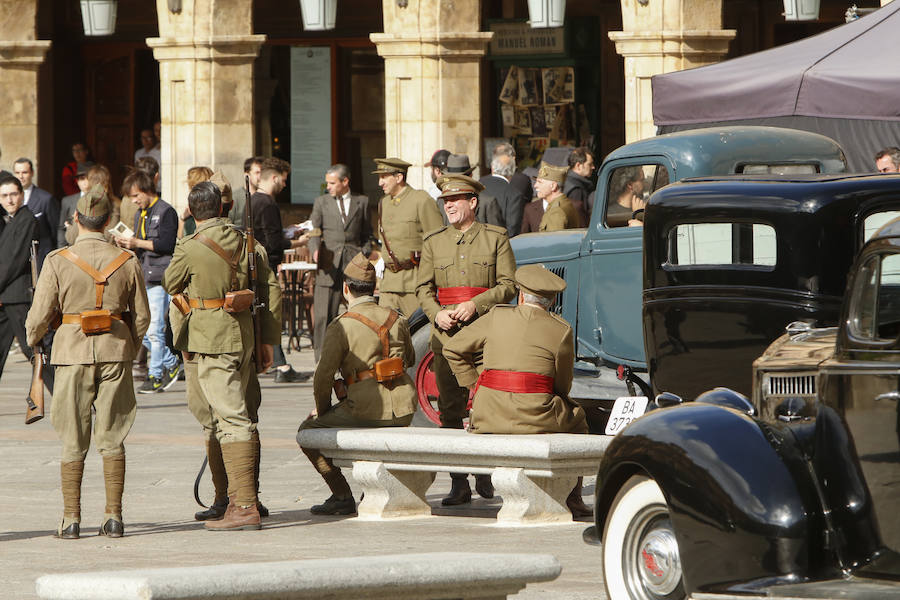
pixel 405 220
pixel 202 274
pixel 521 338
pixel 64 288
pixel 560 214
pixel 351 346
pixel 480 257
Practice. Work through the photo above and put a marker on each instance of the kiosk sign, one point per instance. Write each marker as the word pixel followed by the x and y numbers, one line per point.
pixel 518 38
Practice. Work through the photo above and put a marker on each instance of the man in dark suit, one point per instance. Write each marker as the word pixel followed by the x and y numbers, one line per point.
pixel 67 207
pixel 511 201
pixel 42 205
pixel 341 230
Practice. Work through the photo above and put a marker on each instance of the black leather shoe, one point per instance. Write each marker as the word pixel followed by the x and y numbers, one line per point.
pixel 263 511
pixel 577 507
pixel 215 511
pixel 484 486
pixel 460 492
pixel 335 506
pixel 72 532
pixel 112 528
pixel 290 376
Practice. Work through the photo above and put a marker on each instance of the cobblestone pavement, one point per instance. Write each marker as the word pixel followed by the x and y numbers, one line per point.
pixel 164 452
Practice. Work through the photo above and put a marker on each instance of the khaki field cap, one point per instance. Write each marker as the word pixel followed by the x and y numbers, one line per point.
pixel 360 269
pixel 535 279
pixel 221 182
pixel 553 173
pixel 387 166
pixel 459 163
pixel 454 185
pixel 94 203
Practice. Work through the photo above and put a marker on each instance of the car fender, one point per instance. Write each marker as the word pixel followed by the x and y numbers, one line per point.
pixel 731 484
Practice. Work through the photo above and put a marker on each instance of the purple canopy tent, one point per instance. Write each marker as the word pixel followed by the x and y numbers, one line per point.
pixel 843 83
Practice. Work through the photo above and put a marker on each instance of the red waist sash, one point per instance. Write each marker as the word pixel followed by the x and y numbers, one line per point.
pixel 457 295
pixel 517 382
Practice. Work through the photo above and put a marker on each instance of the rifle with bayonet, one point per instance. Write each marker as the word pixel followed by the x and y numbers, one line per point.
pixel 251 272
pixel 34 410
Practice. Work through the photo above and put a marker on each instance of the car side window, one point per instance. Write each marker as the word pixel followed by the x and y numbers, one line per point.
pixel 629 188
pixel 875 304
pixel 722 244
pixel 876 221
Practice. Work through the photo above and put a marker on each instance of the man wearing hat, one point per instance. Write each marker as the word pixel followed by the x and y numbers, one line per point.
pixel 353 345
pixel 67 230
pixel 528 357
pixel 559 212
pixel 93 371
pixel 436 166
pixel 405 215
pixel 489 210
pixel 466 269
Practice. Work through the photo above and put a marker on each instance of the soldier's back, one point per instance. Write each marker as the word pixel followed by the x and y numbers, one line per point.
pixel 524 338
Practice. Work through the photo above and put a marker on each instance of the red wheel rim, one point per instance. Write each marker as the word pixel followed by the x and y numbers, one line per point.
pixel 426 388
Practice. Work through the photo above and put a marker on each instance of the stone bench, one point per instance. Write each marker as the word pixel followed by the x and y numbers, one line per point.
pixel 416 576
pixel 396 465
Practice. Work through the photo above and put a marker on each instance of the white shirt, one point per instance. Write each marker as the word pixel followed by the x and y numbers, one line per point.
pixel 28 191
pixel 433 190
pixel 344 204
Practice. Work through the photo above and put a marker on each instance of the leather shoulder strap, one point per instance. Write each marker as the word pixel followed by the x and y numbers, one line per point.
pixel 99 277
pixel 231 260
pixel 380 330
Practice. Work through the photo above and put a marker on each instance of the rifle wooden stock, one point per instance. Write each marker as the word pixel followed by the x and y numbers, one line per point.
pixel 252 273
pixel 35 401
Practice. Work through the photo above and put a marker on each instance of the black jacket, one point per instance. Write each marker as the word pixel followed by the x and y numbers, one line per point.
pixel 15 248
pixel 511 202
pixel 45 209
pixel 577 189
pixel 162 228
pixel 267 227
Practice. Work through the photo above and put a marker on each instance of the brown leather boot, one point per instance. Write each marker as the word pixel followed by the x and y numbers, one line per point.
pixel 236 518
pixel 239 458
pixel 71 474
pixel 576 504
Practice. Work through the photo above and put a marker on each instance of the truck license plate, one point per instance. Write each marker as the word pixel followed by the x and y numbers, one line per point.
pixel 625 410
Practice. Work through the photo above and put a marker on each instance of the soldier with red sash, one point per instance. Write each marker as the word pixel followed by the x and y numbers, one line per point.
pixel 527 359
pixel 466 268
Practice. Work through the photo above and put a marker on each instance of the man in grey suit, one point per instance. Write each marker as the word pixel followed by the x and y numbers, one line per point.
pixel 42 205
pixel 67 230
pixel 341 230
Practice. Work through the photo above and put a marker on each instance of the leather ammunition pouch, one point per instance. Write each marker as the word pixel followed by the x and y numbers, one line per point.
pixel 99 320
pixel 389 368
pixel 182 303
pixel 93 322
pixel 238 301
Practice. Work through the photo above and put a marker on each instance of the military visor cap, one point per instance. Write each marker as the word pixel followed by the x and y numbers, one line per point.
pixel 94 203
pixel 388 166
pixel 360 269
pixel 535 279
pixel 552 173
pixel 455 185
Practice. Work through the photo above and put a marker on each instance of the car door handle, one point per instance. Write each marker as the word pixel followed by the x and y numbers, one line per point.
pixel 895 396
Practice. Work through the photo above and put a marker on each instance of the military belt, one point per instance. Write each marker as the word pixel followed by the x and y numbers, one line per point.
pixel 456 295
pixel 75 318
pixel 206 303
pixel 360 376
pixel 517 382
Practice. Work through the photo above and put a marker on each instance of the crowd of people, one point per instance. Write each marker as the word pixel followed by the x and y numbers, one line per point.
pixel 122 277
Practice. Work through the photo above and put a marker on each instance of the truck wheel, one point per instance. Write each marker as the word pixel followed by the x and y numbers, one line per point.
pixel 640 553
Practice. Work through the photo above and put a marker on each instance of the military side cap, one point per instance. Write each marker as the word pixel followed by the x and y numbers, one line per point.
pixel 388 166
pixel 454 185
pixel 360 268
pixel 94 203
pixel 537 280
pixel 553 173
pixel 224 186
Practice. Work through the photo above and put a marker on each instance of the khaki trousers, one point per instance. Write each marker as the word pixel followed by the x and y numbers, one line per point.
pixel 108 388
pixel 224 381
pixel 406 303
pixel 453 398
pixel 199 405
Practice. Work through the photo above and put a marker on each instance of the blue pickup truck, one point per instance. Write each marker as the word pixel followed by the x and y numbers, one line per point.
pixel 602 264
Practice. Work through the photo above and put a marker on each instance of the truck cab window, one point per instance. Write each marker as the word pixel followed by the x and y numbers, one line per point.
pixel 629 188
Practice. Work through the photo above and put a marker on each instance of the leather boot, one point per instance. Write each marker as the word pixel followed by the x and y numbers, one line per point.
pixel 114 478
pixel 263 511
pixel 460 492
pixel 576 504
pixel 239 458
pixel 484 486
pixel 71 474
pixel 215 511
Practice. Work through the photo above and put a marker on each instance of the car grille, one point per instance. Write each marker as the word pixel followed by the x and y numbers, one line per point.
pixel 800 384
pixel 558 303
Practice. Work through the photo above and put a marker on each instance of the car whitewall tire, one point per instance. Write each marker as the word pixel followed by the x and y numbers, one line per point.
pixel 640 554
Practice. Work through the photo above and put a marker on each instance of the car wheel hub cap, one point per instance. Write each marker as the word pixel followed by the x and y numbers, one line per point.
pixel 659 565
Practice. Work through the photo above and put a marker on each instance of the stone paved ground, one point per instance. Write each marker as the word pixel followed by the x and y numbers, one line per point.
pixel 164 451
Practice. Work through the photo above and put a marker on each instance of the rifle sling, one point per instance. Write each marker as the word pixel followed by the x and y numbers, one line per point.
pixel 387 245
pixel 99 277
pixel 231 260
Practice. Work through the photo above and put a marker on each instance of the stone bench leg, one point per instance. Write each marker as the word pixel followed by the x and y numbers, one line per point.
pixel 532 500
pixel 391 494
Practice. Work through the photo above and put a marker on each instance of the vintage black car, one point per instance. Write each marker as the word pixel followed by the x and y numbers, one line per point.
pixel 793 494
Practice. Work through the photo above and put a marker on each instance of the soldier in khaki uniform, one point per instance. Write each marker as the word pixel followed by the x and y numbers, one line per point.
pixel 560 213
pixel 405 216
pixel 92 370
pixel 353 345
pixel 206 266
pixel 527 367
pixel 466 269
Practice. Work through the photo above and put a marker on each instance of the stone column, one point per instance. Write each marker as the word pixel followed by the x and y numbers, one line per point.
pixel 660 36
pixel 20 58
pixel 205 55
pixel 432 74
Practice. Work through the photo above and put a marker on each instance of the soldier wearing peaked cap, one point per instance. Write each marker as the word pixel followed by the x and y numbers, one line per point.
pixel 466 269
pixel 528 357
pixel 99 291
pixel 405 215
pixel 489 210
pixel 560 213
pixel 371 347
